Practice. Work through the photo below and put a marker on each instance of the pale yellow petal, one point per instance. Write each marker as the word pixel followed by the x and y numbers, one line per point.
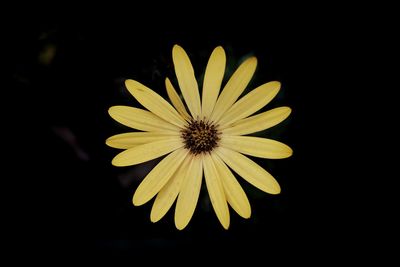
pixel 234 87
pixel 175 99
pixel 186 79
pixel 154 102
pixel 158 177
pixel 216 191
pixel 140 119
pixel 249 170
pixel 256 146
pixel 167 195
pixel 250 103
pixel 129 140
pixel 234 193
pixel 257 122
pixel 213 77
pixel 189 194
pixel 146 152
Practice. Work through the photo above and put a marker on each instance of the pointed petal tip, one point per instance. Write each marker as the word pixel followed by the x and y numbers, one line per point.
pixel 107 141
pixel 285 110
pixel 136 201
pixel 153 217
pixel 117 163
pixel 290 152
pixel 276 84
pixel 220 53
pixel 275 191
pixel 111 110
pixel 128 82
pixel 225 225
pixel 219 49
pixel 287 152
pixel 176 48
pixel 115 110
pixel 247 215
pixel 252 59
pixel 180 224
pixel 132 85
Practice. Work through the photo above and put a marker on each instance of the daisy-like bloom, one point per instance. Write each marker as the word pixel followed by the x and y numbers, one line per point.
pixel 207 135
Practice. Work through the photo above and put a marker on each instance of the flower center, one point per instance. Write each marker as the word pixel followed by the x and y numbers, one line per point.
pixel 200 136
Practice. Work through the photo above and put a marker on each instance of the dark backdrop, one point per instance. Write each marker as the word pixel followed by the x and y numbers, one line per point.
pixel 66 73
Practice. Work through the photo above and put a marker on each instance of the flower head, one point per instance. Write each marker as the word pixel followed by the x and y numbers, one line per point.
pixel 206 136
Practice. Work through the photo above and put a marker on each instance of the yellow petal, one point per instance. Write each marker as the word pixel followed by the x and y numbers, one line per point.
pixel 216 191
pixel 234 193
pixel 167 195
pixel 175 99
pixel 251 103
pixel 129 140
pixel 249 170
pixel 257 122
pixel 154 102
pixel 140 119
pixel 212 80
pixel 256 146
pixel 186 79
pixel 146 152
pixel 189 194
pixel 234 87
pixel 158 177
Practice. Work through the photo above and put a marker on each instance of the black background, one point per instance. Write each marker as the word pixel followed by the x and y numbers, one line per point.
pixel 71 201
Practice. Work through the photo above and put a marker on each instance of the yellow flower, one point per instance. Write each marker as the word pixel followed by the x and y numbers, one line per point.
pixel 209 137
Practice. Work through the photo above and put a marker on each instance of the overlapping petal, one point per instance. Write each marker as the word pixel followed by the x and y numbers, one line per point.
pixel 158 177
pixel 167 195
pixel 216 191
pixel 212 80
pixel 234 193
pixel 129 140
pixel 189 193
pixel 257 147
pixel 250 103
pixel 234 87
pixel 140 119
pixel 146 152
pixel 175 99
pixel 187 81
pixel 154 102
pixel 249 170
pixel 257 122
